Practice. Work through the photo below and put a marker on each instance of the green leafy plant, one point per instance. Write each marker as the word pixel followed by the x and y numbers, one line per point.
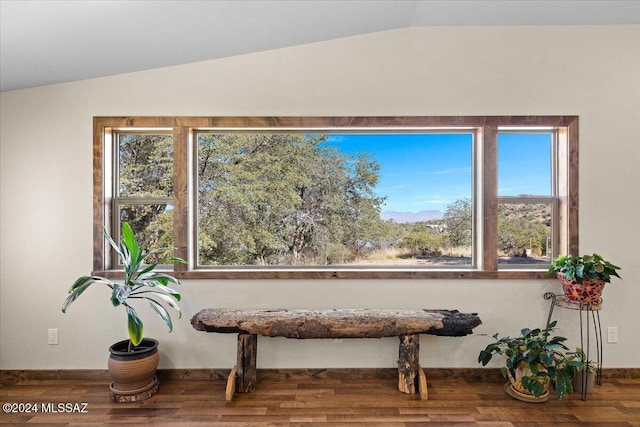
pixel 578 362
pixel 141 282
pixel 584 267
pixel 541 352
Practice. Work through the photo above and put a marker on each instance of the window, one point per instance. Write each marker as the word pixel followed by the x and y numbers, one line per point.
pixel 143 187
pixel 527 198
pixel 342 199
pixel 348 197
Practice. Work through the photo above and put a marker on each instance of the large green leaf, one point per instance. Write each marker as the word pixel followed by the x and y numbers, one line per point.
pixel 167 291
pixel 112 242
pixel 171 300
pixel 146 270
pixel 162 312
pixel 131 243
pixel 134 325
pixel 163 279
pixel 83 280
pixel 167 294
pixel 76 290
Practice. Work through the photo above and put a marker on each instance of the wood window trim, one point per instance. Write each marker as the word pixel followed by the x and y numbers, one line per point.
pixel 487 128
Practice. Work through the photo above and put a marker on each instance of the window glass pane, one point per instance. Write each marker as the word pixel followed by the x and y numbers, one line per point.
pixel 524 164
pixel 145 165
pixel 335 199
pixel 153 227
pixel 524 233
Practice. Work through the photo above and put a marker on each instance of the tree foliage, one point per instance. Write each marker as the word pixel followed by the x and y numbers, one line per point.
pixel 145 171
pixel 523 227
pixel 274 199
pixel 458 219
pixel 424 241
pixel 145 165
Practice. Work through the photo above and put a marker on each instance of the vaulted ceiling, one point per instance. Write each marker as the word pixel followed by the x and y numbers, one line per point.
pixel 50 41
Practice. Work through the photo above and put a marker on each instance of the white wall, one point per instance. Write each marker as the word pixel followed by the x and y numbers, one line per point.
pixel 46 193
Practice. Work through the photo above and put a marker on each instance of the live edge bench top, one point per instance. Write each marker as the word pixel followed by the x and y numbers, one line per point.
pixel 336 323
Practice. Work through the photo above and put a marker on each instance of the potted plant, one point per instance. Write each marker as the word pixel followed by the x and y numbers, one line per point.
pixel 533 361
pixel 585 371
pixel 133 362
pixel 583 277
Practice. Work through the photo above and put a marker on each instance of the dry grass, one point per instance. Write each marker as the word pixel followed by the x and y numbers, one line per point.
pixel 405 256
pixel 450 257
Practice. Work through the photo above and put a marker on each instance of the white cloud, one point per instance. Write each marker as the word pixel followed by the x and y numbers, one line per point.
pixel 450 171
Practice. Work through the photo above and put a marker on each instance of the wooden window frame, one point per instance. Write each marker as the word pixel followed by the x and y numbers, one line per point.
pixel 485 190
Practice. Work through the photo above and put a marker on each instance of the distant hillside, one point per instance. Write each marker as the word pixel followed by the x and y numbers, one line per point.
pixel 533 214
pixel 404 217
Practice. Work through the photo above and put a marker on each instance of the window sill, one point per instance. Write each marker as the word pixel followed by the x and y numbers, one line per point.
pixel 344 274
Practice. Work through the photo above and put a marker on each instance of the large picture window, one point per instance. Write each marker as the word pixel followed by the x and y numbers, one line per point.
pixel 349 197
pixel 344 199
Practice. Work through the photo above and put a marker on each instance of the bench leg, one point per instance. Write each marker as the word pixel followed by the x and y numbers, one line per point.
pixel 422 382
pixel 246 367
pixel 408 364
pixel 231 384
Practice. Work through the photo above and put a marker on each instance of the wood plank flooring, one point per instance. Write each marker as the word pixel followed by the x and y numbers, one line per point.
pixel 321 401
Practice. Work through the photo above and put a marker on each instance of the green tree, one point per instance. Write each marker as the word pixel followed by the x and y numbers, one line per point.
pixel 145 170
pixel 145 165
pixel 274 199
pixel 458 218
pixel 522 227
pixel 423 241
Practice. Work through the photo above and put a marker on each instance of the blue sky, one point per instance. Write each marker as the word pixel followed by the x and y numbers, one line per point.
pixel 524 164
pixel 429 171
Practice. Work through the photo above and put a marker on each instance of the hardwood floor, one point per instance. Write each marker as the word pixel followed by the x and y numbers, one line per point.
pixel 319 401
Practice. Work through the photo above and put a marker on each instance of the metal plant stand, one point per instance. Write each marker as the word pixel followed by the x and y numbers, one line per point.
pixel 584 309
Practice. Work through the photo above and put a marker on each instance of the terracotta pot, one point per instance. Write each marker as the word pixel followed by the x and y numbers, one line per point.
pixel 589 291
pixel 133 373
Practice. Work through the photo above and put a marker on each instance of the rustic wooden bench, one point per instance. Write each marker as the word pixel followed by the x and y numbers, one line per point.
pixel 334 323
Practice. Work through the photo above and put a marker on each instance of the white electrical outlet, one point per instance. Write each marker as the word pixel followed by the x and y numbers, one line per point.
pixel 53 336
pixel 612 334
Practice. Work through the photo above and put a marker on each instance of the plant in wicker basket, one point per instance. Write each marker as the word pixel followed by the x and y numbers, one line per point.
pixel 533 361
